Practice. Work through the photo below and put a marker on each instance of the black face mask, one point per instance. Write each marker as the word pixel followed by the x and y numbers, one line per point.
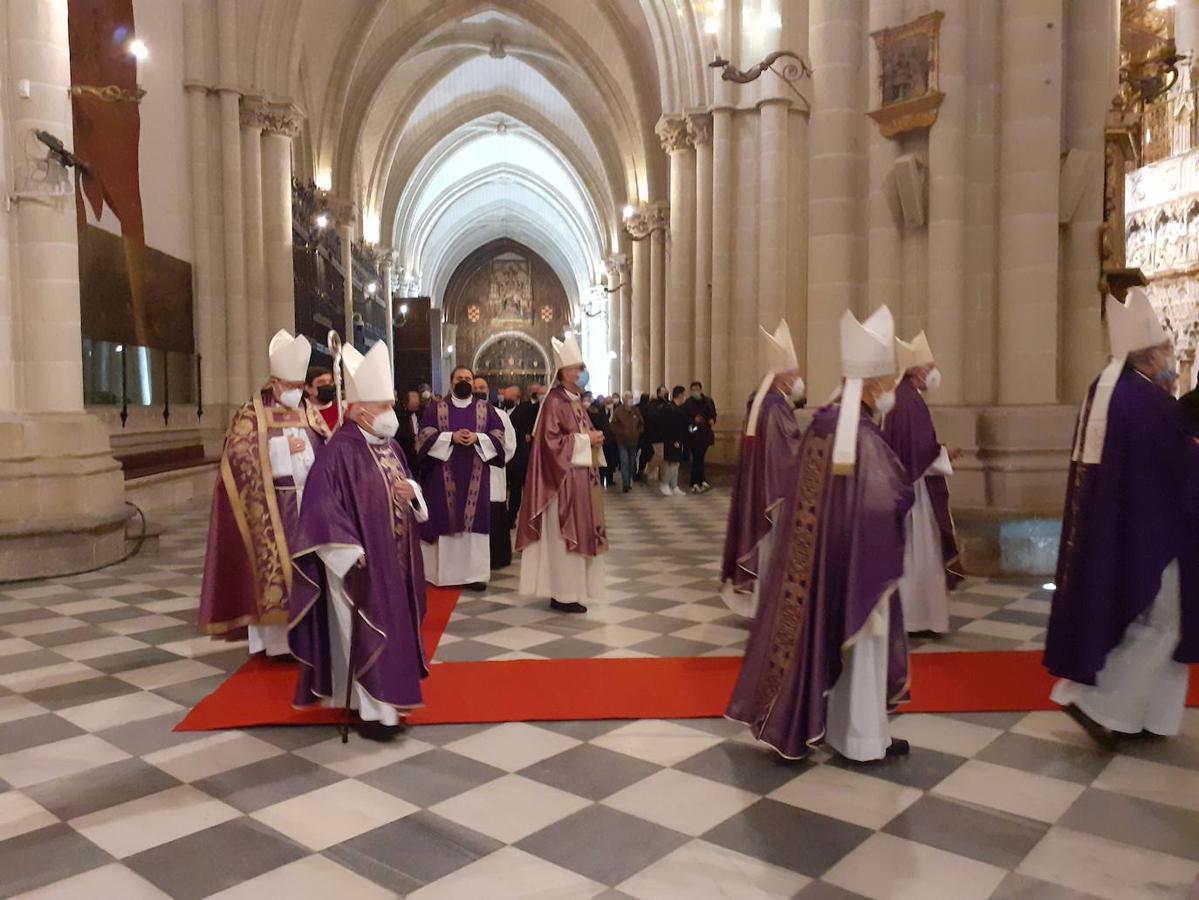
pixel 462 390
pixel 480 395
pixel 507 404
pixel 326 393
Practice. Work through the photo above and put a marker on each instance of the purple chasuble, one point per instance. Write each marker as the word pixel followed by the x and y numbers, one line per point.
pixel 253 522
pixel 351 499
pixel 1126 519
pixel 839 554
pixel 553 476
pixel 766 475
pixel 457 491
pixel 908 428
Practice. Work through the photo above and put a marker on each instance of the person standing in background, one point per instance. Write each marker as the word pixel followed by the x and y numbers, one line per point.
pixel 523 416
pixel 627 428
pixel 501 537
pixel 673 427
pixel 645 447
pixel 701 418
pixel 409 417
pixel 320 399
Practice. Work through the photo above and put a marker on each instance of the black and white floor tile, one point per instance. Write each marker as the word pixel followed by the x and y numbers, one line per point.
pixel 100 798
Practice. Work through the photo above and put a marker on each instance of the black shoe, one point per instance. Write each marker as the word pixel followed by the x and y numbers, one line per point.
pixel 377 731
pixel 475 586
pixel 1104 737
pixel 558 606
pixel 926 635
pixel 899 747
pixel 626 489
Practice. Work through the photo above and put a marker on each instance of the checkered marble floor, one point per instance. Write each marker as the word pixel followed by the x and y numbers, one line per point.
pixel 99 798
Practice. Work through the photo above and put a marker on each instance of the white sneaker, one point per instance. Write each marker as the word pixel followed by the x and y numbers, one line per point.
pixel 665 489
pixel 679 492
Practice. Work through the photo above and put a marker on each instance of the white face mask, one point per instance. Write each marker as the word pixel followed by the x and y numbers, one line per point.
pixel 798 390
pixel 932 380
pixel 885 402
pixel 291 397
pixel 386 424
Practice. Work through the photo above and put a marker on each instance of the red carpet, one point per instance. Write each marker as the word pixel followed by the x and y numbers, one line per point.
pixel 260 693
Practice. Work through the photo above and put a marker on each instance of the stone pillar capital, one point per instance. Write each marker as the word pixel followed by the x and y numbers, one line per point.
pixel 672 133
pixel 253 112
pixel 648 218
pixel 617 262
pixel 699 127
pixel 282 117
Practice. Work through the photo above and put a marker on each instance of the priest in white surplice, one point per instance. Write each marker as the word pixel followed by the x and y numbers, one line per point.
pixel 459 436
pixel 560 530
pixel 930 555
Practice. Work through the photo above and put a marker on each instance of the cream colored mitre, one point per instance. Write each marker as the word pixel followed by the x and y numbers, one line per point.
pixel 912 354
pixel 566 352
pixel 779 351
pixel 289 356
pixel 1133 325
pixel 368 378
pixel 867 351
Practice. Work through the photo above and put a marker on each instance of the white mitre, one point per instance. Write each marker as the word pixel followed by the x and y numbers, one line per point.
pixel 912 354
pixel 368 378
pixel 289 356
pixel 867 351
pixel 779 352
pixel 566 352
pixel 1131 326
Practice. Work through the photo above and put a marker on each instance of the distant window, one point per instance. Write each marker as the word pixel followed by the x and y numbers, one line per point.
pixel 547 314
pixel 473 313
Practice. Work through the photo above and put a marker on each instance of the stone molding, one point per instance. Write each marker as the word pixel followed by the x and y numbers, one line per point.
pixel 648 218
pixel 672 133
pixel 270 116
pixel 699 127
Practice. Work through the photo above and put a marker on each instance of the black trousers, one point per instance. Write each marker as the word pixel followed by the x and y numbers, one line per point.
pixel 697 464
pixel 516 489
pixel 647 453
pixel 501 539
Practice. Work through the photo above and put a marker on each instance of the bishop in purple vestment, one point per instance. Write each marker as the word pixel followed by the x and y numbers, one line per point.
pixel 766 470
pixel 359 593
pixel 459 437
pixel 827 653
pixel 931 566
pixel 269 448
pixel 1125 614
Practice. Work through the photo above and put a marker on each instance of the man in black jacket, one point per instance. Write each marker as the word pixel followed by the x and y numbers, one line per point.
pixel 523 415
pixel 701 416
pixel 409 417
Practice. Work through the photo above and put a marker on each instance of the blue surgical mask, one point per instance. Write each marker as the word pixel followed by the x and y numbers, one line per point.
pixel 1167 376
pixel 584 379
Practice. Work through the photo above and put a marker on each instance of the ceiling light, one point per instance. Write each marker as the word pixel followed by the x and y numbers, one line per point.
pixel 628 211
pixel 372 287
pixel 449 349
pixel 1165 4
pixel 403 309
pixel 1049 586
pixel 322 221
pixel 138 49
pixel 566 335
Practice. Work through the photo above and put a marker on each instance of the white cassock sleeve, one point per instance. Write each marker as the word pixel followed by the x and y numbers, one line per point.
pixel 509 436
pixel 280 454
pixel 485 447
pixel 338 560
pixel 419 508
pixel 941 465
pixel 582 452
pixel 442 447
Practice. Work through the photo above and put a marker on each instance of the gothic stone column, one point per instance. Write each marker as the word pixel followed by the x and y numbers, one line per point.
pixel 252 123
pixel 699 129
pixel 282 123
pixel 659 222
pixel 680 280
pixel 63 492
